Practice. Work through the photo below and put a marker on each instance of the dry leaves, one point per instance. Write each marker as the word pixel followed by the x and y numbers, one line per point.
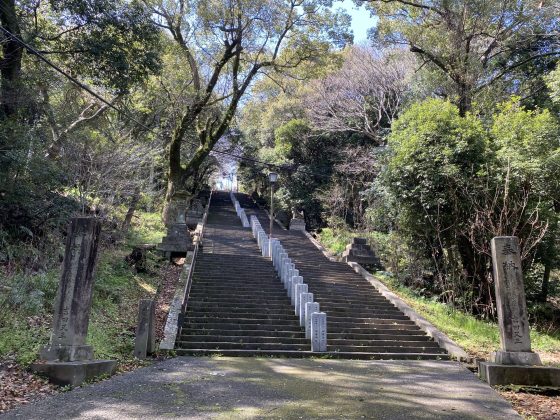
pixel 169 277
pixel 18 386
pixel 540 407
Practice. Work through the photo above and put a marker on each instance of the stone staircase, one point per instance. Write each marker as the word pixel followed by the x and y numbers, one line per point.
pixel 361 323
pixel 237 305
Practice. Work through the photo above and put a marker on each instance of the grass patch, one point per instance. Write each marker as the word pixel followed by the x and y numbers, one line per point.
pixel 335 240
pixel 147 228
pixel 477 337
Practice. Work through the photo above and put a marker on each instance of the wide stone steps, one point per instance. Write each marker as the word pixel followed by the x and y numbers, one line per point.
pixel 237 306
pixel 361 322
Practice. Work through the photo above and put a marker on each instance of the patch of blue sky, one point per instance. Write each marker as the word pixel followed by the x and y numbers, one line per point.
pixel 362 21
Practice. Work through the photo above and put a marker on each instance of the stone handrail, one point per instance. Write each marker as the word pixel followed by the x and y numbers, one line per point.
pixel 310 317
pixel 239 210
pixel 178 305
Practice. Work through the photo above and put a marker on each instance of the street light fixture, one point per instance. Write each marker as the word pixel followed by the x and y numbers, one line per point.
pixel 273 178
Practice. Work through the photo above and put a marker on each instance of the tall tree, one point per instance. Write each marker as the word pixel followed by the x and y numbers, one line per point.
pixel 227 45
pixel 112 42
pixel 473 43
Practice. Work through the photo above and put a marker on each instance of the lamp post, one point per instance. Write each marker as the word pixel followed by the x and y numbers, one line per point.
pixel 272 177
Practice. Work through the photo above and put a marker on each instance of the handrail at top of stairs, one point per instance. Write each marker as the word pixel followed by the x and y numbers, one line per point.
pixel 178 306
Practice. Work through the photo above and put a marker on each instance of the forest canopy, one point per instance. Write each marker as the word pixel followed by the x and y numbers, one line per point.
pixel 436 134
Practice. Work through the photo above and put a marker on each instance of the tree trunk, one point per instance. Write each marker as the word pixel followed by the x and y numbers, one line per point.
pixel 543 296
pixel 131 210
pixel 10 65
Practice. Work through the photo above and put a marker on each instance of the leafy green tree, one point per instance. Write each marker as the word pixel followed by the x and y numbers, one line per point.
pixel 112 42
pixel 243 40
pixel 457 183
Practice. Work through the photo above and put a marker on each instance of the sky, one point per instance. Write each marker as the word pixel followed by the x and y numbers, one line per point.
pixel 361 20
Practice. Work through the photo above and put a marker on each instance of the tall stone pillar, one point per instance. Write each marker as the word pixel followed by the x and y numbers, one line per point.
pixel 68 359
pixel 178 239
pixel 514 363
pixel 511 304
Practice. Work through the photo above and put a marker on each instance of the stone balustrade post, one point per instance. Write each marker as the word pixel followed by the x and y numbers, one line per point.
pixel 304 299
pixel 292 290
pixel 310 308
pixel 319 332
pixel 300 289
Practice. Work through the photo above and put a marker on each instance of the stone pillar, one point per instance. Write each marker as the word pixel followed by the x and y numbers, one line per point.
pixel 145 342
pixel 300 289
pixel 73 300
pixel 318 332
pixel 292 291
pixel 178 238
pixel 511 304
pixel 310 309
pixel 303 300
pixel 67 360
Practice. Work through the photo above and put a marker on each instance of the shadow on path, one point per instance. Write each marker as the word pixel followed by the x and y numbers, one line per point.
pixel 255 388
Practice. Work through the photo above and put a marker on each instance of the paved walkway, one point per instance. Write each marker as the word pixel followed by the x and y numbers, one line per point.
pixel 255 388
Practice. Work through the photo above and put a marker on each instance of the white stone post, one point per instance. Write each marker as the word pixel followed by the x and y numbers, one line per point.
pixel 292 291
pixel 300 289
pixel 287 272
pixel 310 308
pixel 318 332
pixel 303 300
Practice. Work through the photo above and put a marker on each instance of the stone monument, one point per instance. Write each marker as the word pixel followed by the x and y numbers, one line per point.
pixel 360 252
pixel 68 360
pixel 298 221
pixel 195 214
pixel 178 239
pixel 514 363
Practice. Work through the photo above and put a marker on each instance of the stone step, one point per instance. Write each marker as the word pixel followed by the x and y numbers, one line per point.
pixel 280 293
pixel 217 345
pixel 411 335
pixel 370 320
pixel 282 301
pixel 294 333
pixel 240 339
pixel 386 349
pixel 372 328
pixel 301 354
pixel 208 306
pixel 403 342
pixel 231 314
pixel 233 325
pixel 241 290
pixel 241 321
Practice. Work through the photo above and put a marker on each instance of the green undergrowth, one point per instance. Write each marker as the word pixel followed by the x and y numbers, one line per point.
pixel 27 298
pixel 476 336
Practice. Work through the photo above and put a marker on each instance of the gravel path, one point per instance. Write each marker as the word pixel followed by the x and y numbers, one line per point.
pixel 252 388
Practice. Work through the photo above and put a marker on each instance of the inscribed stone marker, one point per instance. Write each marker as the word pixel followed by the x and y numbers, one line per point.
pixel 300 288
pixel 73 299
pixel 310 308
pixel 318 332
pixel 303 300
pixel 511 304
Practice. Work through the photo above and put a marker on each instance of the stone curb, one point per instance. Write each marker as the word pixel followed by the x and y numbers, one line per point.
pixel 442 339
pixel 176 307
